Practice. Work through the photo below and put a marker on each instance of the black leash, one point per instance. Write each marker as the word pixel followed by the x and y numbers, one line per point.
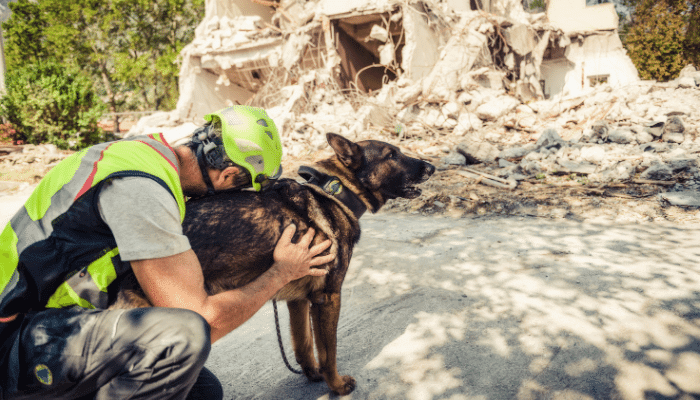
pixel 279 339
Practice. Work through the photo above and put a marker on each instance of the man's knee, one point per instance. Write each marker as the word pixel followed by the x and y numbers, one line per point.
pixel 184 331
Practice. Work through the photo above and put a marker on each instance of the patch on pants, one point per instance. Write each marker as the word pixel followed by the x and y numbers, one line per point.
pixel 43 374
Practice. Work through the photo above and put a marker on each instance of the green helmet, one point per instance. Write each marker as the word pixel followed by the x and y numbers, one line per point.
pixel 251 140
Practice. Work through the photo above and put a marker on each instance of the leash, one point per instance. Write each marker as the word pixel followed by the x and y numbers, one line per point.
pixel 279 340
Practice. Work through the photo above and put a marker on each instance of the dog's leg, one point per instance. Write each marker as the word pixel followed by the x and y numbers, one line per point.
pixel 302 340
pixel 325 318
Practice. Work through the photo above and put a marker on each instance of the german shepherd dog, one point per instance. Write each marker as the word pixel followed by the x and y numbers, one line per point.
pixel 234 234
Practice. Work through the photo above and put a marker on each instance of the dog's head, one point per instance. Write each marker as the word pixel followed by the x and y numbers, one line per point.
pixel 381 167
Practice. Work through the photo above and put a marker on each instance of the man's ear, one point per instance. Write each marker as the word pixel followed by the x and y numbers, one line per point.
pixel 349 153
pixel 228 178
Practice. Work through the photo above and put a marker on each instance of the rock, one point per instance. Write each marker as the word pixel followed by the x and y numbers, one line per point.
pixel 687 198
pixel 467 122
pixel 529 168
pixel 658 172
pixel 451 109
pixel 621 136
pixel 600 129
pixel 674 130
pixel 550 139
pixel 593 154
pixel 454 158
pixel 433 117
pixel 617 172
pixel 644 137
pixel 656 128
pixel 654 147
pixel 582 167
pixel 502 163
pixel 688 70
pixel 686 82
pixel 496 108
pixel 513 152
pixel 681 164
pixel 477 151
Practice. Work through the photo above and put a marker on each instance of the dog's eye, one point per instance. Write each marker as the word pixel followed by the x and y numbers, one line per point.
pixel 391 154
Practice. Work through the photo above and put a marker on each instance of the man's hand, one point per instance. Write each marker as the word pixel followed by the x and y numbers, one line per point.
pixel 294 260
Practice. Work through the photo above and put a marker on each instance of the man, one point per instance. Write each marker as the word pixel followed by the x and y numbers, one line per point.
pixel 116 209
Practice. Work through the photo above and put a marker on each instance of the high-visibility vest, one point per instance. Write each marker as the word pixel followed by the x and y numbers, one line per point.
pixel 57 251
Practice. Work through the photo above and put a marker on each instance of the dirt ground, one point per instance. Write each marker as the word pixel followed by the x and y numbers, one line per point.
pixel 451 194
pixel 448 193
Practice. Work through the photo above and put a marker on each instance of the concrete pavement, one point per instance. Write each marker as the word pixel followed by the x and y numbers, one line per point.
pixel 506 308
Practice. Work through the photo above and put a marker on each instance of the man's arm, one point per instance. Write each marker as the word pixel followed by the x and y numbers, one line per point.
pixel 177 281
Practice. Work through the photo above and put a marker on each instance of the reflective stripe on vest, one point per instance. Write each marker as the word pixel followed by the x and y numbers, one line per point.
pixel 57 192
pixel 87 288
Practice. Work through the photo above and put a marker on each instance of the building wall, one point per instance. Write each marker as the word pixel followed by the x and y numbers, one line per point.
pixel 574 15
pixel 235 8
pixel 598 54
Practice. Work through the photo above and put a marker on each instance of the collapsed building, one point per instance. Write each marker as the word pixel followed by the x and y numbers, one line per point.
pixel 281 54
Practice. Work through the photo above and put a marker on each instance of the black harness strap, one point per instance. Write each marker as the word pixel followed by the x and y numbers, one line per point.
pixel 334 187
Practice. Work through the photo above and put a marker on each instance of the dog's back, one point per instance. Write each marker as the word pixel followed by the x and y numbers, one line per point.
pixel 234 233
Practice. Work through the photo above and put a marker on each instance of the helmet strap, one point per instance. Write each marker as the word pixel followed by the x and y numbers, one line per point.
pixel 205 170
pixel 199 141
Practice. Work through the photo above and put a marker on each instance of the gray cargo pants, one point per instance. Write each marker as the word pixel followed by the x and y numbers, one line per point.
pixel 145 353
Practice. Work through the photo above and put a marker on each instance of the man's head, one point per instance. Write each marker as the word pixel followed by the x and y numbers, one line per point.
pixel 241 139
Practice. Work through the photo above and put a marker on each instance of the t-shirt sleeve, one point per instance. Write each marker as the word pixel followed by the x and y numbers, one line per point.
pixel 144 218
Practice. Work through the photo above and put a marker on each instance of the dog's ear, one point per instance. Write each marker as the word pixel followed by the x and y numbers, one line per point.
pixel 349 153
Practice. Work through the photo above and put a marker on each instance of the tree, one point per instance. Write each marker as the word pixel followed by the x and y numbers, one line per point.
pixel 662 37
pixel 48 102
pixel 692 36
pixel 127 46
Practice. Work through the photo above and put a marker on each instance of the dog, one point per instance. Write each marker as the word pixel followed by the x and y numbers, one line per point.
pixel 234 234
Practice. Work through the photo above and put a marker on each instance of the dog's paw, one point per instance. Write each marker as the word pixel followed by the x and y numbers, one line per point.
pixel 347 387
pixel 313 374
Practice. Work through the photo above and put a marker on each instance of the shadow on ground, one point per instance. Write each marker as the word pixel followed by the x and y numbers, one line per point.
pixel 499 309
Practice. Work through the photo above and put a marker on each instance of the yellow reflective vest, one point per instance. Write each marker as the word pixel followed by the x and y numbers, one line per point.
pixel 56 251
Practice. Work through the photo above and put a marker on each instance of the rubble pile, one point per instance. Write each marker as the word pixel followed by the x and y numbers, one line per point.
pixel 519 96
pixel 497 97
pixel 28 162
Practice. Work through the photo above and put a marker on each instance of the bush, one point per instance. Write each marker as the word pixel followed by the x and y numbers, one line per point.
pixel 46 102
pixel 8 134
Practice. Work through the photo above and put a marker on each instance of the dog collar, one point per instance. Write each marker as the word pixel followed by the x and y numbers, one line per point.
pixel 334 187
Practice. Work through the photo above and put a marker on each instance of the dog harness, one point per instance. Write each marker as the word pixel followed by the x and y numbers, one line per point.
pixel 334 187
pixel 56 251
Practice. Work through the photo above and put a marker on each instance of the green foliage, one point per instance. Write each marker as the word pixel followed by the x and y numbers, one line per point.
pixel 24 42
pixel 128 47
pixel 663 37
pixel 538 5
pixel 692 37
pixel 46 102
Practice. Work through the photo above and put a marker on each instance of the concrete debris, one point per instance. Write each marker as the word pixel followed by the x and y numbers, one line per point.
pixel 686 198
pixel 530 94
pixel 476 151
pixel 45 156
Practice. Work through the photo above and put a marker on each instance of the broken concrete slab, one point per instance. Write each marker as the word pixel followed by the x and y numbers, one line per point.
pixel 477 151
pixel 496 108
pixel 550 139
pixel 686 198
pixel 621 136
pixel 658 172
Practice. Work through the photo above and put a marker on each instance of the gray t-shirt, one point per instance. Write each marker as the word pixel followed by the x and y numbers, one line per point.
pixel 144 218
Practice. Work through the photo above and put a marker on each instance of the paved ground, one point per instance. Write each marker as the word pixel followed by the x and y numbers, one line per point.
pixel 524 308
pixel 497 308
